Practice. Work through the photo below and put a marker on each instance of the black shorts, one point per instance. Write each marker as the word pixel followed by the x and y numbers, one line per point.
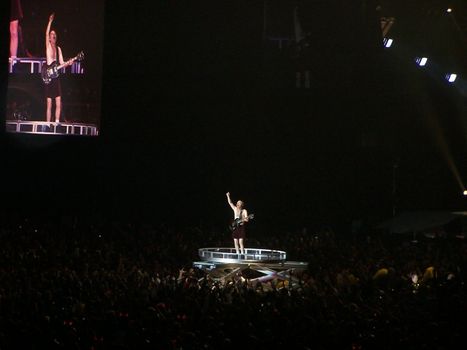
pixel 53 89
pixel 239 232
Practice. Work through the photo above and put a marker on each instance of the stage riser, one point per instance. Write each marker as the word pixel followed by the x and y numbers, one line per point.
pixel 34 127
pixel 26 65
pixel 252 255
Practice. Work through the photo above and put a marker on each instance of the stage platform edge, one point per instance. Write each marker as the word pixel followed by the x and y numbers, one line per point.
pixel 257 264
pixel 48 128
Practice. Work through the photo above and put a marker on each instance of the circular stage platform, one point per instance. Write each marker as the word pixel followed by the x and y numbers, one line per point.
pixel 257 264
pixel 48 128
pixel 252 255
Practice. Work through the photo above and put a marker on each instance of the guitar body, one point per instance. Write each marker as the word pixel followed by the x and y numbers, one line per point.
pixel 52 71
pixel 238 222
pixel 235 223
pixel 49 72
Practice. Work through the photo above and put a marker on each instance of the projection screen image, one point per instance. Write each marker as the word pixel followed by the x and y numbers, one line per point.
pixel 55 67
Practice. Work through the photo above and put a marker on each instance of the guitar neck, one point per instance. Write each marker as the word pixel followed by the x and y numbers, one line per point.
pixel 66 63
pixel 62 65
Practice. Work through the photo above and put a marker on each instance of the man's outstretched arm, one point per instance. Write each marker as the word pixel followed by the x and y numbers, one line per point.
pixel 230 201
pixel 47 30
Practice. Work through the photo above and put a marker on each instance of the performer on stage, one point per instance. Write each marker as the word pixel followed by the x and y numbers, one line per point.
pixel 15 16
pixel 239 232
pixel 53 90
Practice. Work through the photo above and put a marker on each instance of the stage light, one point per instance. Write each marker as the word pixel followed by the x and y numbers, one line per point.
pixel 449 10
pixel 451 77
pixel 421 61
pixel 387 42
pixel 465 193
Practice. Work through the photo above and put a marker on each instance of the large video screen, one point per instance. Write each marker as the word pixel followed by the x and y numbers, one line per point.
pixel 55 67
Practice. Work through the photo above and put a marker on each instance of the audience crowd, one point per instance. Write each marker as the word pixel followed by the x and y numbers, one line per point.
pixel 71 284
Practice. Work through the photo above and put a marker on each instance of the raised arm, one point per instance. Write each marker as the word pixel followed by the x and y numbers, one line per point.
pixel 47 31
pixel 230 201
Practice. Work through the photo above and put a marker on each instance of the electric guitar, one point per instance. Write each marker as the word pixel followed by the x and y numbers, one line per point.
pixel 238 222
pixel 52 71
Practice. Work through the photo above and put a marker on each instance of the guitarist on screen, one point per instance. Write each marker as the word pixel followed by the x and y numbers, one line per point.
pixel 53 54
pixel 240 216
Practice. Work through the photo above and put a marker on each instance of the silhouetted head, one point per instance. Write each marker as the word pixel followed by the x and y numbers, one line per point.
pixel 53 37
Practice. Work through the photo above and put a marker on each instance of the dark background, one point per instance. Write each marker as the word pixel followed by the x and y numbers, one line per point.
pixel 197 103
